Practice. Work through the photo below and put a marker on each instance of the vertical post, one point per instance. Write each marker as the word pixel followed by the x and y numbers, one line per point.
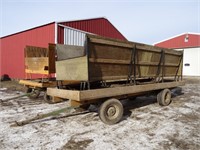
pixel 56 33
pixel 57 83
pixel 131 65
pixel 163 66
pixel 134 67
pixel 181 58
pixel 87 54
pixel 138 64
pixel 159 65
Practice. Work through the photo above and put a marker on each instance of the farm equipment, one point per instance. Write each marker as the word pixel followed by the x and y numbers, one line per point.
pixel 107 71
pixel 110 70
pixel 40 62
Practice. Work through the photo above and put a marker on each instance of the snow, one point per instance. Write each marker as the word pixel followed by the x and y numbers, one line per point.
pixel 146 127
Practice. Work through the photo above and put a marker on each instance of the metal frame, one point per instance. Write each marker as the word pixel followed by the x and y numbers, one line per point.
pixel 175 78
pixel 132 67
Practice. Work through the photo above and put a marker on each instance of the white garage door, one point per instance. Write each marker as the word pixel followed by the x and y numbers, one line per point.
pixel 191 62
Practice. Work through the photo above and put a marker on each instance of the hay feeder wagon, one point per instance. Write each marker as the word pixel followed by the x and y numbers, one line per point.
pixel 110 70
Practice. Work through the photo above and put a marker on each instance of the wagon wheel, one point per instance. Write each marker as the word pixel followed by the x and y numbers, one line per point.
pixel 111 111
pixel 164 97
pixel 34 93
pixel 48 98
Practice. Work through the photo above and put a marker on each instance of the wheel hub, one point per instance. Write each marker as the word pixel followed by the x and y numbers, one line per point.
pixel 111 111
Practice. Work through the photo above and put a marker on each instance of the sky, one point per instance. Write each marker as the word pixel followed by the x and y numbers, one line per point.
pixel 144 21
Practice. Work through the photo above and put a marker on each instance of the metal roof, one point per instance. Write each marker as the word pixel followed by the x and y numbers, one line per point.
pixel 51 23
pixel 27 30
pixel 175 37
pixel 81 19
pixel 184 40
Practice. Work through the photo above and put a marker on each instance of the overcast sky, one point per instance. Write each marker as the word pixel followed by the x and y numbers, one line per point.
pixel 145 21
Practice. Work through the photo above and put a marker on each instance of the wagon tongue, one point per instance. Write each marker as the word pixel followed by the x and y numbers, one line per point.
pixel 54 115
pixel 12 98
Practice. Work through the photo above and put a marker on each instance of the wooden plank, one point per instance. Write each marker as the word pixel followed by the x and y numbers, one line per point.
pixel 102 71
pixel 128 44
pixel 127 62
pixel 30 83
pixel 36 72
pixel 61 93
pixel 33 51
pixel 69 82
pixel 109 59
pixel 74 103
pixel 113 43
pixel 118 91
pixel 145 47
pixel 36 65
pixel 33 83
pixel 57 99
pixel 109 52
pixel 51 58
pixel 109 92
pixel 40 60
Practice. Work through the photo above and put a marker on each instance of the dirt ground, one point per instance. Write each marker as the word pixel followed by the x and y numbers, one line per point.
pixel 145 124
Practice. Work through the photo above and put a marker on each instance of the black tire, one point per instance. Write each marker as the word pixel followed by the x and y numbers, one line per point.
pixel 111 111
pixel 48 98
pixel 33 93
pixel 164 97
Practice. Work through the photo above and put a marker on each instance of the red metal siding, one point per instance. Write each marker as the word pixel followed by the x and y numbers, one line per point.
pixel 99 26
pixel 179 42
pixel 12 48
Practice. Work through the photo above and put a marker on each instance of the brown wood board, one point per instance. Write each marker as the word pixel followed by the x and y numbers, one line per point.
pixel 52 58
pixel 41 84
pixel 109 92
pixel 37 65
pixel 69 51
pixel 38 84
pixel 110 58
pixel 40 60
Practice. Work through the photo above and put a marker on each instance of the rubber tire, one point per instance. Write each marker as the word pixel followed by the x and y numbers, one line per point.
pixel 104 108
pixel 34 93
pixel 164 97
pixel 47 98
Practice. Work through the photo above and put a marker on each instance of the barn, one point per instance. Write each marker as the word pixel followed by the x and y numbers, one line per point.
pixel 63 32
pixel 190 43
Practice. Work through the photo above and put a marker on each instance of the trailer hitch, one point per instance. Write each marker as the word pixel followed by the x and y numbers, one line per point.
pixel 54 115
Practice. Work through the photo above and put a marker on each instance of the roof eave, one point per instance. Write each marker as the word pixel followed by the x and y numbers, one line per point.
pixel 103 17
pixel 175 37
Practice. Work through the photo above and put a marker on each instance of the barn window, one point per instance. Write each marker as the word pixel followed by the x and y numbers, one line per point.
pixel 186 38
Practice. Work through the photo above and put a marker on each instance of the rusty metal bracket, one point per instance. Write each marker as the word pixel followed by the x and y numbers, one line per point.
pixel 132 67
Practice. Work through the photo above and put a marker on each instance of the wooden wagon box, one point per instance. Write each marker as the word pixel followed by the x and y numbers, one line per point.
pixel 110 59
pixel 40 60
